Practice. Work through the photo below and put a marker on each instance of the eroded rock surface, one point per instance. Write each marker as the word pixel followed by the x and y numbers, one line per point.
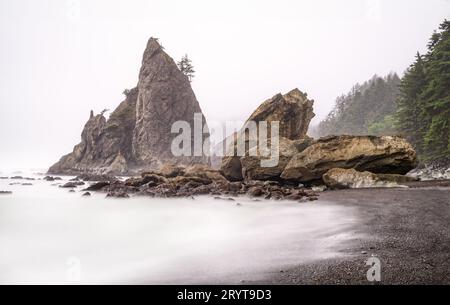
pixel 386 154
pixel 137 136
pixel 340 178
pixel 294 112
pixel 200 180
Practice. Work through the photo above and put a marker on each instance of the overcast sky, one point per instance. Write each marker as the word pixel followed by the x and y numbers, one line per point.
pixel 59 59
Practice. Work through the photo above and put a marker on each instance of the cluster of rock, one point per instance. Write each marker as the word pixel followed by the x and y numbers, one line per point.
pixel 371 161
pixel 50 178
pixel 177 181
pixel 20 178
pixel 294 112
pixel 137 136
pixel 435 170
pixel 336 161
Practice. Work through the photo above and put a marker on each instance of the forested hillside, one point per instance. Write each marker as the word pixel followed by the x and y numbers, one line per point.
pixel 417 106
pixel 423 114
pixel 366 109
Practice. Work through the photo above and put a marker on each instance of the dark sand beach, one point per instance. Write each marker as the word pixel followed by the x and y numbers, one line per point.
pixel 407 229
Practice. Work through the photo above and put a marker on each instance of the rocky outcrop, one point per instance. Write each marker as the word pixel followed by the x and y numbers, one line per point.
pixel 103 143
pixel 199 180
pixel 251 164
pixel 339 178
pixel 432 170
pixel 293 111
pixel 137 136
pixel 94 177
pixel 165 96
pixel 386 154
pixel 72 184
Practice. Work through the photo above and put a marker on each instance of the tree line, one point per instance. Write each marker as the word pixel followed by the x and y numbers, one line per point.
pixel 417 106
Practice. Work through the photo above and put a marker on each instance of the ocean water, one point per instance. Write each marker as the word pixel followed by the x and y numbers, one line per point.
pixel 51 236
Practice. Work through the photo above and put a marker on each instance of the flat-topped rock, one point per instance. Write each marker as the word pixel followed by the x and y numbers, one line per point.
pixel 385 154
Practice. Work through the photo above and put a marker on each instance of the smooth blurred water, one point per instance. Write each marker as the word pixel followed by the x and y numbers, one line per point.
pixel 48 235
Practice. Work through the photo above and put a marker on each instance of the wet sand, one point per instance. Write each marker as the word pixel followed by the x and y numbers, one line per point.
pixel 407 229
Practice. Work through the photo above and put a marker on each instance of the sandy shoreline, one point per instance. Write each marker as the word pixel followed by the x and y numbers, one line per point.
pixel 407 229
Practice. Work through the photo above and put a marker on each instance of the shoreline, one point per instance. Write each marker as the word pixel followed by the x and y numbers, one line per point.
pixel 407 229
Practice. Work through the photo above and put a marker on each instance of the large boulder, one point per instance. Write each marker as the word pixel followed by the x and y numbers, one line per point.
pixel 293 111
pixel 231 168
pixel 386 154
pixel 251 163
pixel 340 178
pixel 137 136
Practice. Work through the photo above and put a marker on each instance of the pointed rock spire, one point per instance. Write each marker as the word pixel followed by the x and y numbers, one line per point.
pixel 137 135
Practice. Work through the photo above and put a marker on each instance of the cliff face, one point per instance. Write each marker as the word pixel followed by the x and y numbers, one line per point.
pixel 165 96
pixel 137 136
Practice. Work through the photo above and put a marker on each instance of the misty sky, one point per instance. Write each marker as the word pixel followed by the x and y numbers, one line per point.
pixel 60 59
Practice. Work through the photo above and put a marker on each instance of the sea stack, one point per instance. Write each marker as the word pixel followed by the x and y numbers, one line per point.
pixel 137 136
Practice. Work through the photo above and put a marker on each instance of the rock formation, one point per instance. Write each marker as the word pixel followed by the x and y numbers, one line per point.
pixel 137 136
pixel 185 182
pixel 165 96
pixel 251 168
pixel 294 112
pixel 339 178
pixel 386 154
pixel 432 170
pixel 302 159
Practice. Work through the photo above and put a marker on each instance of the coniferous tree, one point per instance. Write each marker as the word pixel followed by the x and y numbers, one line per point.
pixel 436 96
pixel 421 111
pixel 409 115
pixel 185 66
pixel 424 102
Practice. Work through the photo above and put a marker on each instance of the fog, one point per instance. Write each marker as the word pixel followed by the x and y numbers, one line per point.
pixel 60 59
pixel 49 235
